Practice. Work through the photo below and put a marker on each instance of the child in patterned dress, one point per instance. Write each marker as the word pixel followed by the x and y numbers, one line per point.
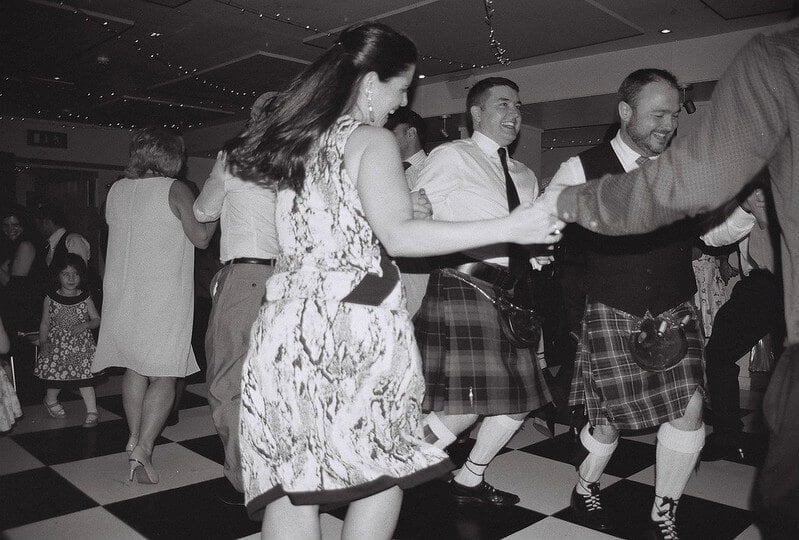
pixel 66 347
pixel 9 404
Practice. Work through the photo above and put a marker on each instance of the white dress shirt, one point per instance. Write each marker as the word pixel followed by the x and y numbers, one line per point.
pixel 464 181
pixel 412 172
pixel 75 243
pixel 754 243
pixel 246 212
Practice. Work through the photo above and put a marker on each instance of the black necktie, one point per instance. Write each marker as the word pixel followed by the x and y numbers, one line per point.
pixel 406 165
pixel 518 258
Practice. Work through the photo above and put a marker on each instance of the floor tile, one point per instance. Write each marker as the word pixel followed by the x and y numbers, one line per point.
pixel 92 524
pixel 190 511
pixel 201 389
pixel 751 533
pixel 629 504
pixel 15 458
pixel 553 527
pixel 193 423
pixel 721 481
pixel 428 511
pixel 36 418
pixel 37 494
pixel 105 478
pixel 76 443
pixel 113 403
pixel 544 485
pixel 209 446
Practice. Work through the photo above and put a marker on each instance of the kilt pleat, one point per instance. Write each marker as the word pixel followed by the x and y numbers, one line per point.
pixel 470 367
pixel 614 389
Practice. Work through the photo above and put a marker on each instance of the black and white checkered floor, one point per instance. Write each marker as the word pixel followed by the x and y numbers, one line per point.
pixel 58 480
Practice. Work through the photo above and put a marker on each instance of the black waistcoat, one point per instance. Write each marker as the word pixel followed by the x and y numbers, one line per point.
pixel 60 251
pixel 638 273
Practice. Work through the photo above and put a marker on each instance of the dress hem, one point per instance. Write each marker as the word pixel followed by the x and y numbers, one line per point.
pixel 334 498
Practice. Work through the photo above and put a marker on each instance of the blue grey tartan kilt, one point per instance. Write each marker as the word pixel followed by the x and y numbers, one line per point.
pixel 469 366
pixel 614 389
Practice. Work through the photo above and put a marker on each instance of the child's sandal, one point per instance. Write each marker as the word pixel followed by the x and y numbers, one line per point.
pixel 92 419
pixel 56 410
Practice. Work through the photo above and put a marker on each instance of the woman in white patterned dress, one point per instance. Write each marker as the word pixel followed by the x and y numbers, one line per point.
pixel 332 385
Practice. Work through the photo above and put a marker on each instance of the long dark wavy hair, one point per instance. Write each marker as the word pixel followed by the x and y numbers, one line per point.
pixel 273 147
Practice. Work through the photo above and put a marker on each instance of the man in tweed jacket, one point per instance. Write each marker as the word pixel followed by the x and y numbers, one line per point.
pixel 627 280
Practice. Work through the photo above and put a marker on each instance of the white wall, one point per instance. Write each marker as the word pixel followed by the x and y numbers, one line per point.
pixel 693 60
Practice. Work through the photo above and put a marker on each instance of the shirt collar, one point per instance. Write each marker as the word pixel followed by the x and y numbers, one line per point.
pixel 626 155
pixel 486 144
pixel 417 159
pixel 56 236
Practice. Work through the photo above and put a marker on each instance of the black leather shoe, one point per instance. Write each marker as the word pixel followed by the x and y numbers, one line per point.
pixel 718 446
pixel 665 527
pixel 482 493
pixel 588 509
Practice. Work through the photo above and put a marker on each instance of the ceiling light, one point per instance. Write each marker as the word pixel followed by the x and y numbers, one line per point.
pixel 421 76
pixel 155 34
pixel 56 78
pixel 665 31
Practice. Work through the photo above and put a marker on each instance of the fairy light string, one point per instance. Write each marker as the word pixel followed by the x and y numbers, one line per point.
pixel 499 50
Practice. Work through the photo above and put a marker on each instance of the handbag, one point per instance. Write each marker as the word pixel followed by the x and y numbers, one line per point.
pixel 659 344
pixel 761 357
pixel 521 326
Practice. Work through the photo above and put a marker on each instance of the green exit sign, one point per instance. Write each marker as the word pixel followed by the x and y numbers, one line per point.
pixel 50 139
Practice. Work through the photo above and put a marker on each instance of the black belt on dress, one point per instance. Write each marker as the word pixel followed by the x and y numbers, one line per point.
pixel 250 260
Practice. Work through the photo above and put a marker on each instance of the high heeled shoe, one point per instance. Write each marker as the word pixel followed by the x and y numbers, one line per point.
pixel 132 443
pixel 141 468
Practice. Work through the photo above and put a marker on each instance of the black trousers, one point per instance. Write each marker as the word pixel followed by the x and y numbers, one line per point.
pixel 753 310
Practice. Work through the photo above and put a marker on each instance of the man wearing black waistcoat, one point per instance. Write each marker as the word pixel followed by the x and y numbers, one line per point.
pixel 630 279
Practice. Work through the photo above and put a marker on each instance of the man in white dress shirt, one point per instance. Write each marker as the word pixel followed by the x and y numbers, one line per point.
pixel 471 367
pixel 409 130
pixel 627 280
pixel 248 247
pixel 52 224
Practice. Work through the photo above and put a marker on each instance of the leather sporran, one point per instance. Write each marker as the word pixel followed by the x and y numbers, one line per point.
pixel 521 326
pixel 660 343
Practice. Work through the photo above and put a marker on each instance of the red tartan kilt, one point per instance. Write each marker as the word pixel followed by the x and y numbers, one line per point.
pixel 470 367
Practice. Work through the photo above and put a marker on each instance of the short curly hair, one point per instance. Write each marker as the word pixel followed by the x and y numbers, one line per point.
pixel 155 149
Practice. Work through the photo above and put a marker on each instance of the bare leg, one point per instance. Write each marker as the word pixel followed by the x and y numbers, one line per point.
pixel 134 386
pixel 52 395
pixel 89 399
pixel 157 404
pixel 374 517
pixel 284 521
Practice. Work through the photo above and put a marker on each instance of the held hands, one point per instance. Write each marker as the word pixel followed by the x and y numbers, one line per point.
pixel 755 204
pixel 422 209
pixel 533 223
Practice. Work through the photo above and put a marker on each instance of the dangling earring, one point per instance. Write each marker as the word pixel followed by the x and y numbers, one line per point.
pixel 371 111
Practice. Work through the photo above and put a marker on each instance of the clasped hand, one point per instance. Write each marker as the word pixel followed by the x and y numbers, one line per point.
pixel 535 223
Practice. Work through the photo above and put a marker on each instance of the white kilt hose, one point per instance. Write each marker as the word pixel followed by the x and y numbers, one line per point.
pixel 615 390
pixel 469 365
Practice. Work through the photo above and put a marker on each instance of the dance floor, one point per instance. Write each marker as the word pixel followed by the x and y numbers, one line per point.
pixel 58 480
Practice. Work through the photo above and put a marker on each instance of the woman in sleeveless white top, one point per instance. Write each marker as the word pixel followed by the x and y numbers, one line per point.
pixel 148 288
